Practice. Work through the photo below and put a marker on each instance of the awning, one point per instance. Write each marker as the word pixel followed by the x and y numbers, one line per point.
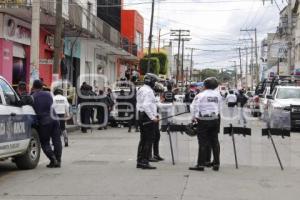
pixel 115 51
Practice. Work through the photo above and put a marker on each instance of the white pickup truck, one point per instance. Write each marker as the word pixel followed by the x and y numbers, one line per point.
pixel 279 107
pixel 19 139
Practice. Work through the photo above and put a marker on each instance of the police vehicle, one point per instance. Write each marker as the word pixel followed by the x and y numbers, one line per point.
pixel 18 134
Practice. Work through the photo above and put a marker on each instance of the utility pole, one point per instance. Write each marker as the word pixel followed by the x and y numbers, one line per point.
pixel 159 33
pixel 246 67
pixel 191 66
pixel 241 70
pixel 57 40
pixel 35 42
pixel 150 35
pixel 179 35
pixel 290 35
pixel 236 78
pixel 250 68
pixel 256 53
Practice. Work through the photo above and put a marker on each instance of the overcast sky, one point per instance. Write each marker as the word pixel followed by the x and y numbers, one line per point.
pixel 215 24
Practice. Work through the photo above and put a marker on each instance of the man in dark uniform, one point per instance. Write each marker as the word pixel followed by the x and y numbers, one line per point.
pixel 169 96
pixel 25 98
pixel 206 112
pixel 148 118
pixel 85 111
pixel 48 126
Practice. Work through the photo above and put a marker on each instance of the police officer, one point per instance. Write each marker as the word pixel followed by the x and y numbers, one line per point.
pixel 61 107
pixel 48 125
pixel 206 112
pixel 148 118
pixel 231 100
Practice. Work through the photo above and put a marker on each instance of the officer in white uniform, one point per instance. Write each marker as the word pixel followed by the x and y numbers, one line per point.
pixel 148 117
pixel 206 111
pixel 231 100
pixel 61 107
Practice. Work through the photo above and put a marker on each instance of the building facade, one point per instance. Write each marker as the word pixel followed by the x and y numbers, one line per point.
pixel 132 37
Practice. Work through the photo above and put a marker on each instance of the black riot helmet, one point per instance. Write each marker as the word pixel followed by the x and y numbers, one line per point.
pixel 211 83
pixel 150 80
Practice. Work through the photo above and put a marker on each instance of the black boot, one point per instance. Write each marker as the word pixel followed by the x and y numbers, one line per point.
pixel 157 157
pixel 54 163
pixel 197 168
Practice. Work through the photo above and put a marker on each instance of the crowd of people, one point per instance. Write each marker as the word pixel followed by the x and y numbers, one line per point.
pixel 139 107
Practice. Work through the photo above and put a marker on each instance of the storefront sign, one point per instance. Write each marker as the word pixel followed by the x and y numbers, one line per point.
pixel 16 30
pixel 46 61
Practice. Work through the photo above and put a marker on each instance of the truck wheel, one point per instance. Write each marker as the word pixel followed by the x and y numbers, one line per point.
pixel 31 158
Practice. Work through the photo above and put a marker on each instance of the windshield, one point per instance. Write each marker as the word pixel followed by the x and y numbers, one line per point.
pixel 288 93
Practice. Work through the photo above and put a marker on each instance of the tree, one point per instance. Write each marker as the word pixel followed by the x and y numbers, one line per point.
pixel 225 76
pixel 163 61
pixel 154 65
pixel 205 73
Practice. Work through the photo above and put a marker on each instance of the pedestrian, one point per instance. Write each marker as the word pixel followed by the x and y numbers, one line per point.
pixel 241 102
pixel 102 110
pixel 206 112
pixel 169 95
pixel 48 126
pixel 188 98
pixel 128 74
pixel 85 110
pixel 135 75
pixel 231 100
pixel 148 118
pixel 62 108
pixel 25 98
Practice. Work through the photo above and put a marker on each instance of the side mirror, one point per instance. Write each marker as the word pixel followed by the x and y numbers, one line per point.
pixel 261 96
pixel 269 97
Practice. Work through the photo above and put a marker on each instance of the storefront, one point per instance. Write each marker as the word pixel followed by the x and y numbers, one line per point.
pixel 15 41
pixel 15 49
pixel 72 51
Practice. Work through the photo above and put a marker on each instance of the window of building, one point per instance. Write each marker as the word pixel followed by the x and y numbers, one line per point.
pixel 139 41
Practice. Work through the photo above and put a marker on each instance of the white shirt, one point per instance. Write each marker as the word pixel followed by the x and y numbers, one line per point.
pixel 207 102
pixel 231 98
pixel 146 101
pixel 61 104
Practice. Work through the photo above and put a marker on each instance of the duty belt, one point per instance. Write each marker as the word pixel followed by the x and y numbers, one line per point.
pixel 211 116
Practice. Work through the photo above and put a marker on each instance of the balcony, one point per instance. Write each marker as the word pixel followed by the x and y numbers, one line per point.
pixel 128 46
pixel 77 22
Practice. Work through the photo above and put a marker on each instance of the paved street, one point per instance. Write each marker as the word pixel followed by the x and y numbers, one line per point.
pixel 101 165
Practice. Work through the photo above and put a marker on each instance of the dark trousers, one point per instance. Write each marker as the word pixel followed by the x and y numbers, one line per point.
pixel 51 131
pixel 85 115
pixel 62 122
pixel 146 139
pixel 208 140
pixel 155 145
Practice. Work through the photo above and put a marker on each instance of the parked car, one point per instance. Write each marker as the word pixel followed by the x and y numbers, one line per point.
pixel 279 107
pixel 19 139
